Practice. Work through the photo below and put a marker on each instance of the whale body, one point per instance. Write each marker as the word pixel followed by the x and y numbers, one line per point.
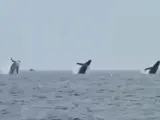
pixel 15 66
pixel 84 67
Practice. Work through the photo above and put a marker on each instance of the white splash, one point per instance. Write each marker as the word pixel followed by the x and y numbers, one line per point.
pixel 5 67
pixel 76 69
pixel 143 71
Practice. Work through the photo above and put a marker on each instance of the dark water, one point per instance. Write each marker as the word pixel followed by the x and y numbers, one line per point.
pixel 103 95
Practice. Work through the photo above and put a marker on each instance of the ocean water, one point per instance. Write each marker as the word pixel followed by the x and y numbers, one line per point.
pixel 62 95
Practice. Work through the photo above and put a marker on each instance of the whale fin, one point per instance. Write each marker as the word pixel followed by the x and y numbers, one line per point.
pixel 80 63
pixel 12 60
pixel 148 68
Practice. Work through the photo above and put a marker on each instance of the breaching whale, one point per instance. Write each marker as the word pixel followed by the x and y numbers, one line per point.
pixel 15 66
pixel 84 67
pixel 154 68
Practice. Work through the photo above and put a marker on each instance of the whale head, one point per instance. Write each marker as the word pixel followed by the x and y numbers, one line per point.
pixel 88 62
pixel 157 63
pixel 18 61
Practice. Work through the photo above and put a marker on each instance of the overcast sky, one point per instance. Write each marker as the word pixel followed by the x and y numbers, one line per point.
pixel 55 34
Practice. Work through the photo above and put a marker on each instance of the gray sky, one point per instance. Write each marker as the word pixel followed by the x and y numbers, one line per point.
pixel 55 34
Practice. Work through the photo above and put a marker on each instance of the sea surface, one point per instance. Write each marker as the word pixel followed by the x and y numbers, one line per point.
pixel 62 95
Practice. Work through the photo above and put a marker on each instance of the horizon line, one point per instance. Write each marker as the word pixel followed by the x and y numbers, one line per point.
pixel 89 70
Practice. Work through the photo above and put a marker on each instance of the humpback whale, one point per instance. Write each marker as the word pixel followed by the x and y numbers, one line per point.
pixel 84 67
pixel 154 68
pixel 15 66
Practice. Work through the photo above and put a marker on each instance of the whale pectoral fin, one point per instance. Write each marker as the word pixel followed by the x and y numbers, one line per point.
pixel 147 68
pixel 80 63
pixel 12 60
